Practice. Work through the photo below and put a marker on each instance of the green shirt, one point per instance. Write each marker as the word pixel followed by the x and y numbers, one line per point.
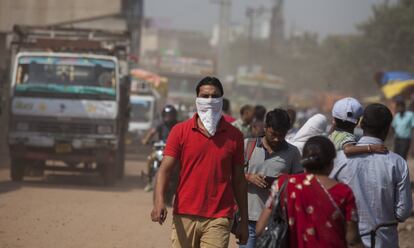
pixel 340 138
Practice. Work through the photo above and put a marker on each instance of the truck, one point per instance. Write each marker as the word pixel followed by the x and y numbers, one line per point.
pixel 148 94
pixel 69 105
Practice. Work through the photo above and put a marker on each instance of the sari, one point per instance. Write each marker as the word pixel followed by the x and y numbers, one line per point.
pixel 316 216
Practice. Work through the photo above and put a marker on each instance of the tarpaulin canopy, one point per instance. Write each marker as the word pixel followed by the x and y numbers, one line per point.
pixel 148 76
pixel 396 83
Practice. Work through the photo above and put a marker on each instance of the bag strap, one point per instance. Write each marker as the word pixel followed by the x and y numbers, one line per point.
pixel 278 198
pixel 248 151
pixel 337 173
pixel 331 198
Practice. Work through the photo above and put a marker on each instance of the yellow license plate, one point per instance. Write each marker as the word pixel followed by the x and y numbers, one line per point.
pixel 63 148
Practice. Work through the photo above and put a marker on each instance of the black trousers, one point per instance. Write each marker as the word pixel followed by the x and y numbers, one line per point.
pixel 401 147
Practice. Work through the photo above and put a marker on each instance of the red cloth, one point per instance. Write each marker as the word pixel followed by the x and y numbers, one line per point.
pixel 228 118
pixel 317 219
pixel 205 187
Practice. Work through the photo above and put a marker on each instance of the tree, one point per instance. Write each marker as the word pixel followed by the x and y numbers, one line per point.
pixel 388 36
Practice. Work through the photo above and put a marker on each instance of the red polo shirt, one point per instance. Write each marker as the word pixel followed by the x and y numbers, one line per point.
pixel 228 118
pixel 205 187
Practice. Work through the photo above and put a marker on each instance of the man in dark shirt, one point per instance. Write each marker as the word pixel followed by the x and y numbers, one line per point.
pixel 169 119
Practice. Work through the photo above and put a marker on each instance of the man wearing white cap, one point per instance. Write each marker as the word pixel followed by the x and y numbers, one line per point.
pixel 346 114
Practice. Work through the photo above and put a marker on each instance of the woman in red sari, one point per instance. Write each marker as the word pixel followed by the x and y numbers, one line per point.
pixel 321 212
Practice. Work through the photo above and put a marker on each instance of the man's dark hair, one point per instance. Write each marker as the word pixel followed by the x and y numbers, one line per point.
pixel 210 81
pixel 278 120
pixel 376 120
pixel 318 153
pixel 245 108
pixel 259 112
pixel 292 115
pixel 400 103
pixel 344 125
pixel 226 105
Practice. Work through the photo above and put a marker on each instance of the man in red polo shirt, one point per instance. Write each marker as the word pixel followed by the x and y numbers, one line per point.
pixel 209 152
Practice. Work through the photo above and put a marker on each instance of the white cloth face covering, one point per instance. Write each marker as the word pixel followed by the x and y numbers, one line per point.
pixel 210 111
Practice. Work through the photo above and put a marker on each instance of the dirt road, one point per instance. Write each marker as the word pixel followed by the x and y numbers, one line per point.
pixel 66 210
pixel 75 211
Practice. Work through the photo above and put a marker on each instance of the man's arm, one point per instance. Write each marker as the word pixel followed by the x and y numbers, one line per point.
pixel 149 136
pixel 159 212
pixel 262 221
pixel 353 240
pixel 240 193
pixel 351 149
pixel 403 197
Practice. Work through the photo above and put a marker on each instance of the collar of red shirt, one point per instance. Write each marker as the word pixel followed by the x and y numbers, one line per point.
pixel 220 128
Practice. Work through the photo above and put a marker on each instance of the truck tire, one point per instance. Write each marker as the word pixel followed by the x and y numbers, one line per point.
pixel 120 162
pixel 36 168
pixel 109 173
pixel 17 169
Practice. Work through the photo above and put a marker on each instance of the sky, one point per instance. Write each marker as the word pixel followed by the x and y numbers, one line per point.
pixel 321 16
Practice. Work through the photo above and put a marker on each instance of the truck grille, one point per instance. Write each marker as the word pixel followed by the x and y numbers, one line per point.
pixel 76 128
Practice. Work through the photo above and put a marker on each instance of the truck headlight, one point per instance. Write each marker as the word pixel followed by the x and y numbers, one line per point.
pixel 104 129
pixel 22 126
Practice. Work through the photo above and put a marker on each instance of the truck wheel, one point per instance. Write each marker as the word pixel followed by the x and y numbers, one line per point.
pixel 36 168
pixel 120 163
pixel 109 173
pixel 17 169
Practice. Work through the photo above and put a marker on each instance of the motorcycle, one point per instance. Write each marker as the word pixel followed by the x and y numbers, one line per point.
pixel 158 154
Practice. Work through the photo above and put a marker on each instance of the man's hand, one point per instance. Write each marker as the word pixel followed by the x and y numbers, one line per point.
pixel 159 213
pixel 379 148
pixel 257 180
pixel 242 233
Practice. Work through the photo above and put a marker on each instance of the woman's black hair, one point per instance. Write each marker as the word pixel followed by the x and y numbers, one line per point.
pixel 210 81
pixel 278 120
pixel 318 154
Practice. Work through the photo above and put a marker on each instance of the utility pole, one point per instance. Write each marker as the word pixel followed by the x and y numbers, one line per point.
pixel 277 34
pixel 133 11
pixel 252 14
pixel 223 42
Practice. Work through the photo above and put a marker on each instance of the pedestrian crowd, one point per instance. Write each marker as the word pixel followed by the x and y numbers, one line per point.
pixel 276 184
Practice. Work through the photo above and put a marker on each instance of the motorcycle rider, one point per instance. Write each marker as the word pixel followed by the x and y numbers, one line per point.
pixel 169 119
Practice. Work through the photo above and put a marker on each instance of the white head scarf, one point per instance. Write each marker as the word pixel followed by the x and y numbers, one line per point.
pixel 210 111
pixel 316 125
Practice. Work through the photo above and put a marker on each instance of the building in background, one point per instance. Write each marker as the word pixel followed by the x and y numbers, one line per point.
pixel 121 15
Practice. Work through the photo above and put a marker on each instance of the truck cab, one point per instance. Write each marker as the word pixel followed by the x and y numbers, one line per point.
pixel 144 102
pixel 65 107
pixel 142 113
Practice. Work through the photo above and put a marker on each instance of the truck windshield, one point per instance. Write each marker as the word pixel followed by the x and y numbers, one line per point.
pixel 141 110
pixel 67 77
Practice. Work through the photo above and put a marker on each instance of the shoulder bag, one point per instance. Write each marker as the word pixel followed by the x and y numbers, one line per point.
pixel 275 234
